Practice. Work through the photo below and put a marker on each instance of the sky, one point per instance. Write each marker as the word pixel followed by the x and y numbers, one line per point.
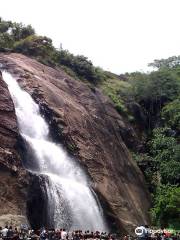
pixel 117 35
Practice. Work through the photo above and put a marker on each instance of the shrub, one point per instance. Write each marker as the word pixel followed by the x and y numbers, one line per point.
pixel 156 87
pixel 20 31
pixel 171 114
pixel 6 40
pixel 35 46
pixel 81 66
pixel 165 150
pixel 166 210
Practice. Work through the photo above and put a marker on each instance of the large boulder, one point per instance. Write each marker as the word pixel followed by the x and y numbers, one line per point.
pixel 87 124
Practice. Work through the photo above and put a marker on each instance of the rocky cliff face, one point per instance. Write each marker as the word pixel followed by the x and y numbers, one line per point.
pixel 22 195
pixel 12 174
pixel 87 124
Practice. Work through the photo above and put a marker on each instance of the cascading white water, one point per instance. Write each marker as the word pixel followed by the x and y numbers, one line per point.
pixel 72 200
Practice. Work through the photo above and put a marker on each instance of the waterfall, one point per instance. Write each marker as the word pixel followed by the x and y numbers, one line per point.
pixel 71 201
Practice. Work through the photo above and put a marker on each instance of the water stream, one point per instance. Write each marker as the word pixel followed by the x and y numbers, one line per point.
pixel 74 203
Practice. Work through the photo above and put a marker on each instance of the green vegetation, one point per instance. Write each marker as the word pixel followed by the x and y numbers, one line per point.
pixel 81 66
pixel 166 210
pixel 161 167
pixel 150 102
pixel 17 37
pixel 171 114
pixel 157 87
pixel 12 32
pixel 169 63
pixel 165 151
pixel 116 90
pixel 36 46
pixel 158 94
pixel 150 91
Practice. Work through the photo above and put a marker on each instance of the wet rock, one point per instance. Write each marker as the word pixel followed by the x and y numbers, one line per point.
pixel 12 174
pixel 14 179
pixel 37 208
pixel 86 122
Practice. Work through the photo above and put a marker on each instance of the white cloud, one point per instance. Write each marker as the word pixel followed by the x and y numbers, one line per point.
pixel 118 35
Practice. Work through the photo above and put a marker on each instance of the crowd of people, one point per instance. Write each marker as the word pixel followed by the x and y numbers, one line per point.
pixel 24 233
pixel 165 236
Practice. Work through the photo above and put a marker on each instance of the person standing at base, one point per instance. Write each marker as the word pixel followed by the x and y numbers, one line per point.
pixel 10 232
pixel 4 232
pixel 63 234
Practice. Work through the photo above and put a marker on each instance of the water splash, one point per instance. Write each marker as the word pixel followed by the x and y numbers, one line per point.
pixel 71 201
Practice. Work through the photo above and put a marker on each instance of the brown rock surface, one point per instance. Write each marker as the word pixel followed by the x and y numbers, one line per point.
pixel 12 174
pixel 22 195
pixel 89 126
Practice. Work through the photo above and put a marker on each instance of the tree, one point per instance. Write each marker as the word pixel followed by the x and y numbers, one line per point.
pixel 6 40
pixel 171 114
pixel 152 91
pixel 170 63
pixel 20 31
pixel 166 210
pixel 35 46
pixel 4 26
pixel 165 150
pixel 81 66
pixel 22 39
pixel 12 32
pixel 156 87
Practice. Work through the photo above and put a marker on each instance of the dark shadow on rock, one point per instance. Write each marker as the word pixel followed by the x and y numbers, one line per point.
pixel 37 206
